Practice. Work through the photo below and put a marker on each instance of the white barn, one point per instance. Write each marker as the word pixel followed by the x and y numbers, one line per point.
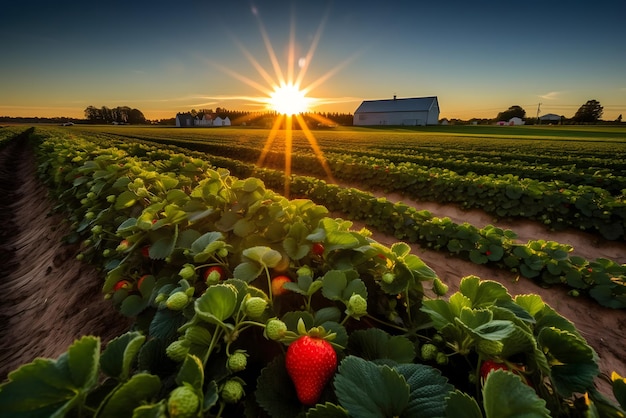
pixel 416 111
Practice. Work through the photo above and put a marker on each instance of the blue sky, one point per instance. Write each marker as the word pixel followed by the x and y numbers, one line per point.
pixel 479 58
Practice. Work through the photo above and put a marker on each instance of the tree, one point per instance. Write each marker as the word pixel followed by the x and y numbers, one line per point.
pixel 512 112
pixel 590 112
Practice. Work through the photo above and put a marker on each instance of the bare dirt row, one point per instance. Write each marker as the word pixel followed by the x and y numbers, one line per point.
pixel 47 298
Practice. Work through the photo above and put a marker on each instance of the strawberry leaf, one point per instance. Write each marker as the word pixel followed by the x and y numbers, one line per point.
pixel 375 344
pixel 119 354
pixel 140 388
pixel 327 410
pixel 368 390
pixel 573 362
pixel 506 396
pixel 275 392
pixel 217 303
pixel 49 387
pixel 460 404
pixel 428 390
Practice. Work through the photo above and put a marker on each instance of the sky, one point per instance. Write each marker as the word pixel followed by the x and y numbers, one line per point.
pixel 163 57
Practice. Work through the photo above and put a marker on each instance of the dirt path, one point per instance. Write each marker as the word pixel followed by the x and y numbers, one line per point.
pixel 47 298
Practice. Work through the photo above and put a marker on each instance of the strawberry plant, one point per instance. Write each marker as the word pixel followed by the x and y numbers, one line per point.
pixel 204 345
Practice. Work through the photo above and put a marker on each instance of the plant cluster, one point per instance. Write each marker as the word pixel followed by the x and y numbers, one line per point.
pixel 592 201
pixel 247 303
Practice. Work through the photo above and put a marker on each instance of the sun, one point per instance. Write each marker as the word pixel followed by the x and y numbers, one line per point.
pixel 288 99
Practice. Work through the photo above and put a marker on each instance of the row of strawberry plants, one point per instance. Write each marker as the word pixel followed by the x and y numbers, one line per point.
pixel 549 262
pixel 555 203
pixel 194 255
pixel 597 170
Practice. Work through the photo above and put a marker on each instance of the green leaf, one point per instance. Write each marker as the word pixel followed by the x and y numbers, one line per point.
pixel 460 404
pixel 375 344
pixel 573 362
pixel 428 390
pixel 439 312
pixel 247 271
pixel 125 200
pixel 265 256
pixel 83 361
pixel 163 247
pixel 217 303
pixel 334 283
pixel 119 354
pixel 133 305
pixel 191 372
pixel 367 390
pixel 211 395
pixel 619 389
pixel 46 387
pixel 140 388
pixel 331 313
pixel 275 391
pixel 157 410
pixel 327 410
pixel 483 292
pixel 504 395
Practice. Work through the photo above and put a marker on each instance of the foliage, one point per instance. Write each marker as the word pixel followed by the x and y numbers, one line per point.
pixel 590 112
pixel 155 220
pixel 514 111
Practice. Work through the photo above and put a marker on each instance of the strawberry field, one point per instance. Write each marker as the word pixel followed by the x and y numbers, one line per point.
pixel 246 302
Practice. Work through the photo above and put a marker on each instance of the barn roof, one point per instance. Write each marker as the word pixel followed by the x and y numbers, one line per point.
pixel 550 116
pixel 414 104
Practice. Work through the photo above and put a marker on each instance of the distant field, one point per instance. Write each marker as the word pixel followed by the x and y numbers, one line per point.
pixel 583 142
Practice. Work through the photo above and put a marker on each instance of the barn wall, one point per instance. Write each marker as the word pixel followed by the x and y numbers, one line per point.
pixel 395 118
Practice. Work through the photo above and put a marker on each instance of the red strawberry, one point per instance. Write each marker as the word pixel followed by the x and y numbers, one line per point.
pixel 490 365
pixel 122 284
pixel 277 285
pixel 317 249
pixel 311 363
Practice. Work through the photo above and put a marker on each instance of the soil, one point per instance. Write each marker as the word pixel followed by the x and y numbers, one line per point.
pixel 48 298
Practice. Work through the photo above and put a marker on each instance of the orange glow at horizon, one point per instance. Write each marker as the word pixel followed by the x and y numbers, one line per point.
pixel 285 95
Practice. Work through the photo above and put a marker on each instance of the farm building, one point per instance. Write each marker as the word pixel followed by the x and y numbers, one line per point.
pixel 201 119
pixel 550 118
pixel 416 111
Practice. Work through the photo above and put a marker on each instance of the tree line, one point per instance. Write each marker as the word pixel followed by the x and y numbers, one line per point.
pixel 590 112
pixel 120 114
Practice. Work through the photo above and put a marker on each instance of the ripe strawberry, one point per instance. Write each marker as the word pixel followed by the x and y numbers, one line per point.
pixel 311 363
pixel 277 285
pixel 317 249
pixel 122 284
pixel 213 274
pixel 490 365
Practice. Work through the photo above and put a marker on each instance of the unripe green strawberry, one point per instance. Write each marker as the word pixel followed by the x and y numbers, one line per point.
pixel 254 307
pixel 357 306
pixel 187 272
pixel 183 402
pixel 237 361
pixel 439 287
pixel 429 351
pixel 232 391
pixel 389 278
pixel 177 350
pixel 441 358
pixel 275 329
pixel 310 362
pixel 177 301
